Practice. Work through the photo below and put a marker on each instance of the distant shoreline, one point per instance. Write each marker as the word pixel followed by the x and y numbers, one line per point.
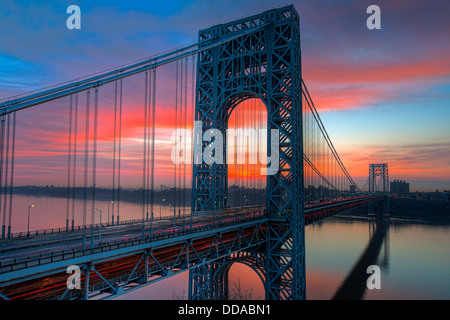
pixel 410 210
pixel 402 209
pixel 236 195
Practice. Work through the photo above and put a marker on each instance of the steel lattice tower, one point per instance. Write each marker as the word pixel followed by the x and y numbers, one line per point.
pixel 264 64
pixel 378 170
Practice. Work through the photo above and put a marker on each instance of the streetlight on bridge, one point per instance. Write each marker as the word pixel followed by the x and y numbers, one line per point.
pixel 28 225
pixel 109 203
pixel 160 208
pixel 100 237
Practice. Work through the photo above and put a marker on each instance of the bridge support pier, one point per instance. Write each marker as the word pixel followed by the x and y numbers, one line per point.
pixel 371 208
pixel 387 206
pixel 203 285
pixel 385 210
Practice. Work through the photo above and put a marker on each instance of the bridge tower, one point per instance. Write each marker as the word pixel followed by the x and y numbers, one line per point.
pixel 379 170
pixel 264 64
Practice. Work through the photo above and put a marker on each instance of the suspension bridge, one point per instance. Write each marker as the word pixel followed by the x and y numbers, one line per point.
pixel 100 135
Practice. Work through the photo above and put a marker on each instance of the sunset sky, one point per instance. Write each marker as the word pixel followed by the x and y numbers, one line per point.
pixel 383 95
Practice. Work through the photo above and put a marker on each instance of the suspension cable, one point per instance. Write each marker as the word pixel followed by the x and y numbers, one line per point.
pixel 69 158
pixel 180 126
pixel 153 109
pixel 86 160
pixel 120 148
pixel 325 134
pixel 144 164
pixel 176 139
pixel 114 155
pixel 74 159
pixel 6 176
pixel 185 142
pixel 94 165
pixel 2 135
pixel 11 185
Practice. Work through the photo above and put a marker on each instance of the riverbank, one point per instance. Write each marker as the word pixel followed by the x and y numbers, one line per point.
pixel 409 210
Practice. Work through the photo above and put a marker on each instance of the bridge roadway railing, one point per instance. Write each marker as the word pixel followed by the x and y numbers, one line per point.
pixel 58 230
pixel 96 226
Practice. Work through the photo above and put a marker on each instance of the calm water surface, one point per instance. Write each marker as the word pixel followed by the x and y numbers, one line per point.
pixel 414 257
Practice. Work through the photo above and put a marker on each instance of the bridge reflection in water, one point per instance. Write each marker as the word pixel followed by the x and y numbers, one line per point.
pixel 355 284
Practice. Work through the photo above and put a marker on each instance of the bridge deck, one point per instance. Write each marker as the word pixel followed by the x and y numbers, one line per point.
pixel 35 266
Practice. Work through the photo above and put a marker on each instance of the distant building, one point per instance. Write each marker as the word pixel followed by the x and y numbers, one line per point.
pixel 398 186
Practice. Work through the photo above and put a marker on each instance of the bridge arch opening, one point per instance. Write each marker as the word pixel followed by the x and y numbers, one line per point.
pixel 244 283
pixel 241 277
pixel 246 150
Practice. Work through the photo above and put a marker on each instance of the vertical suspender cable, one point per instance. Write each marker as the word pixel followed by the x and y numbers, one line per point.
pixel 149 141
pixel 193 122
pixel 11 185
pixel 74 159
pixel 185 142
pixel 176 154
pixel 181 125
pixel 309 139
pixel 6 177
pixel 252 149
pixel 313 156
pixel 255 149
pixel 2 135
pixel 86 161
pixel 260 185
pixel 69 158
pixel 237 166
pixel 144 164
pixel 94 162
pixel 242 164
pixel 245 148
pixel 307 151
pixel 150 169
pixel 153 115
pixel 264 125
pixel 120 149
pixel 254 130
pixel 247 115
pixel 114 155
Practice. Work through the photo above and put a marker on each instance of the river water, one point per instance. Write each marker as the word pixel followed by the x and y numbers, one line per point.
pixel 414 257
